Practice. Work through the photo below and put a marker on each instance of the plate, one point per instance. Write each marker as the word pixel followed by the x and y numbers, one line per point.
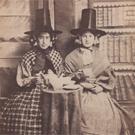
pixel 71 87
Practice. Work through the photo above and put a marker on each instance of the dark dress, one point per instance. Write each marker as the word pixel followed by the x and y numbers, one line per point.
pixel 22 114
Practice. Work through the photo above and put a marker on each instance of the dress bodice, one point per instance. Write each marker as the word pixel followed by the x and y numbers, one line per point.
pixel 87 56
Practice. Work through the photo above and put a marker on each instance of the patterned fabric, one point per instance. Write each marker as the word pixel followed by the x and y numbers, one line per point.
pixel 21 114
pixel 53 55
pixel 28 59
pixel 55 58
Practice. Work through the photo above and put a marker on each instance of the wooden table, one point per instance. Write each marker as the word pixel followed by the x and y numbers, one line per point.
pixel 61 112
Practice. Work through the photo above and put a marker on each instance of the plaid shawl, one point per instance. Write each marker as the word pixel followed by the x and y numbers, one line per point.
pixel 30 59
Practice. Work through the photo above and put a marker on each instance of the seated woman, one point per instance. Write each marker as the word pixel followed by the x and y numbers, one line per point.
pixel 89 67
pixel 21 114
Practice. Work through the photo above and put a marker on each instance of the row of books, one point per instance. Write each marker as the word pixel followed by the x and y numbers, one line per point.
pixel 113 3
pixel 125 88
pixel 120 48
pixel 115 16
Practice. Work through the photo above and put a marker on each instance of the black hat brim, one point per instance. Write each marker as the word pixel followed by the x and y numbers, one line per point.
pixel 54 32
pixel 80 31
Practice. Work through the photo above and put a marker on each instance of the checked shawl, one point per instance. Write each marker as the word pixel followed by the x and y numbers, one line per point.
pixel 53 56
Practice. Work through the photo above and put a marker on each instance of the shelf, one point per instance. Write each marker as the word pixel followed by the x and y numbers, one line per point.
pixel 15 15
pixel 119 30
pixel 118 27
pixel 127 102
pixel 114 3
pixel 123 66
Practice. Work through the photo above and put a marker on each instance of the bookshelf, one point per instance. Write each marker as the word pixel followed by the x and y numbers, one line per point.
pixel 118 20
pixel 120 47
pixel 111 14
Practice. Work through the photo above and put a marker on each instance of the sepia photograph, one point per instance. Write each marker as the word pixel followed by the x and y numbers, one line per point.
pixel 67 67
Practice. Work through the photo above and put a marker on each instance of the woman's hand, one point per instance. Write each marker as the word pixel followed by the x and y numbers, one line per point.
pixel 27 81
pixel 88 72
pixel 95 88
pixel 31 80
pixel 79 76
pixel 38 78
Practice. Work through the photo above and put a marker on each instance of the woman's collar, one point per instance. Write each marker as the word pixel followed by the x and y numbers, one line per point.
pixel 82 49
pixel 46 51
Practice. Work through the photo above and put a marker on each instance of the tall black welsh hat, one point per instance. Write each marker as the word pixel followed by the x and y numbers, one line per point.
pixel 43 24
pixel 88 23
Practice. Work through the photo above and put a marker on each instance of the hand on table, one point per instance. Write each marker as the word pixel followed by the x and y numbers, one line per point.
pixel 37 78
pixel 31 80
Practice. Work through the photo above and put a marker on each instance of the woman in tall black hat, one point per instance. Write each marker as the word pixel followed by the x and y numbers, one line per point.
pixel 90 68
pixel 21 114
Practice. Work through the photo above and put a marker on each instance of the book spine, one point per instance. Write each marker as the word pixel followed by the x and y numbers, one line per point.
pixel 132 77
pixel 97 16
pixel 118 89
pixel 125 48
pixel 133 48
pixel 129 15
pixel 107 47
pixel 110 49
pixel 117 23
pixel 119 47
pixel 103 43
pixel 105 16
pixel 123 90
pixel 109 16
pixel 128 49
pixel 130 91
pixel 121 16
pixel 100 20
pixel 113 48
pixel 115 16
pixel 122 49
pixel 116 44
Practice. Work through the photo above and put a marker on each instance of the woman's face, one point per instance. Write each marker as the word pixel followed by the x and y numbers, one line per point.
pixel 87 39
pixel 44 40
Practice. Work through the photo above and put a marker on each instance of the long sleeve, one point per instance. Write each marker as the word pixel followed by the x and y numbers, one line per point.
pixel 24 69
pixel 72 62
pixel 107 79
pixel 102 83
pixel 22 76
pixel 97 76
pixel 68 66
